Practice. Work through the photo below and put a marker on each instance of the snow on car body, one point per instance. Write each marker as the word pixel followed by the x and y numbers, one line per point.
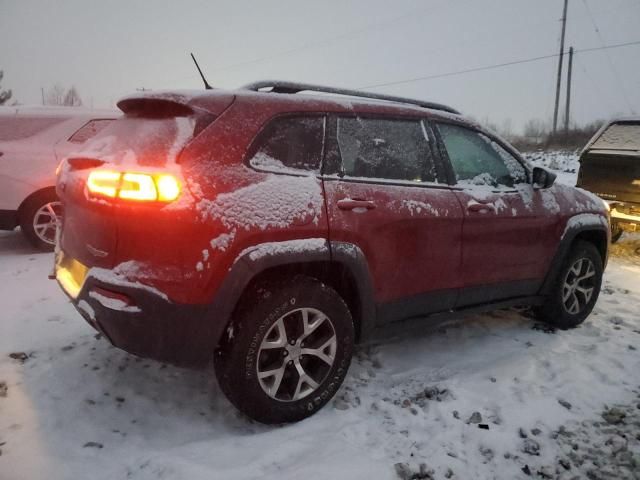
pixel 296 224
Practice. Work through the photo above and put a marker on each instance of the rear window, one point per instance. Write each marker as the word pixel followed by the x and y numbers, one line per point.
pixel 153 142
pixel 89 130
pixel 18 128
pixel 619 136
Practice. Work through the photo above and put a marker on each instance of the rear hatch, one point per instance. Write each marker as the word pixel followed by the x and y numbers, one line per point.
pixel 148 138
pixel 610 166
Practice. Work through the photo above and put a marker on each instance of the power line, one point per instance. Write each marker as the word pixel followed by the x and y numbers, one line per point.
pixel 319 43
pixel 497 65
pixel 614 70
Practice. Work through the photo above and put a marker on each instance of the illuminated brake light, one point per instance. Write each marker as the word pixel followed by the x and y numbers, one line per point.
pixel 168 188
pixel 142 187
pixel 104 182
pixel 138 186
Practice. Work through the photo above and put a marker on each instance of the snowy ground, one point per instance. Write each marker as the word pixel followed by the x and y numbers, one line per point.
pixel 494 396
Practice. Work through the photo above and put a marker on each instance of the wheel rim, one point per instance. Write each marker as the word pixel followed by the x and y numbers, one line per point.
pixel 579 285
pixel 45 222
pixel 296 354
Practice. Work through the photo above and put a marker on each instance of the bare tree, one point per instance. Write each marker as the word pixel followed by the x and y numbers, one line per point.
pixel 535 130
pixel 5 95
pixel 72 98
pixel 55 95
pixel 58 95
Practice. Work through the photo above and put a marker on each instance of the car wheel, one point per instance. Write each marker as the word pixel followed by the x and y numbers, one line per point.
pixel 576 288
pixel 616 232
pixel 287 350
pixel 39 218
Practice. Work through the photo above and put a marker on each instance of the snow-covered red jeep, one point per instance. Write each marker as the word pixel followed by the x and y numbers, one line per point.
pixel 271 230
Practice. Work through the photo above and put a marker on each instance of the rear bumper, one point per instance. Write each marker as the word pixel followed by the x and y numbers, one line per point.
pixel 151 326
pixel 8 219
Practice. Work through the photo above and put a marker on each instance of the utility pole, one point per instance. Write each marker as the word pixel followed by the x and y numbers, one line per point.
pixel 568 107
pixel 42 91
pixel 559 80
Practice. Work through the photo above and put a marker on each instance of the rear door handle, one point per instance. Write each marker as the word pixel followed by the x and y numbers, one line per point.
pixel 481 207
pixel 352 204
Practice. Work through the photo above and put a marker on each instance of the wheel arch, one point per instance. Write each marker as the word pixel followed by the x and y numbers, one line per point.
pixel 341 266
pixel 594 232
pixel 32 196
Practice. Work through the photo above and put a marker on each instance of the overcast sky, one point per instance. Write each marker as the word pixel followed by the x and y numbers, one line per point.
pixel 109 48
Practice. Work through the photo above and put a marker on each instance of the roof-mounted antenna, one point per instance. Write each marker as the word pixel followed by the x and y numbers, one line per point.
pixel 206 84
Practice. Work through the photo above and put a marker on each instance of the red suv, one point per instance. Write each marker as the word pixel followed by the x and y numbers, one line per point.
pixel 272 230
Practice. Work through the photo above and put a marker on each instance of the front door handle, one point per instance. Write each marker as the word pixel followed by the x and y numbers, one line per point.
pixel 352 204
pixel 476 207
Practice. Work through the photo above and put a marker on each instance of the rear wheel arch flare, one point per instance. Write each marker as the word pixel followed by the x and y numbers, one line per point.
pixel 343 271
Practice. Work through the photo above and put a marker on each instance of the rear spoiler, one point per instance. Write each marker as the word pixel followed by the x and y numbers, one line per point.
pixel 156 106
pixel 175 104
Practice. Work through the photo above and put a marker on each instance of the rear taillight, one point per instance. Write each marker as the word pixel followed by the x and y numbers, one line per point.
pixel 141 187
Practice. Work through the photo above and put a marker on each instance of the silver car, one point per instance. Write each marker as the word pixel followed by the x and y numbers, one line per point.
pixel 33 140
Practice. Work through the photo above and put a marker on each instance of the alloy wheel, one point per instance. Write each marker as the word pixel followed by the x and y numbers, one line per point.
pixel 45 222
pixel 579 286
pixel 296 354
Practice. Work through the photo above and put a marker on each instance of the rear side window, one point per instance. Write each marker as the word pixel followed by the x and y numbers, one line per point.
pixel 478 160
pixel 385 149
pixel 290 143
pixel 89 130
pixel 17 128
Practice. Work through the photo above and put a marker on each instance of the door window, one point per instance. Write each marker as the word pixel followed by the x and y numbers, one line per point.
pixel 385 149
pixel 290 143
pixel 478 160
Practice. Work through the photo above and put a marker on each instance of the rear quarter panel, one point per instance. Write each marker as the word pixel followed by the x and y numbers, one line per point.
pixel 234 207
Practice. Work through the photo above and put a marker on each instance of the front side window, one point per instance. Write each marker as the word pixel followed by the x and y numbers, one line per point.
pixel 290 143
pixel 385 149
pixel 478 160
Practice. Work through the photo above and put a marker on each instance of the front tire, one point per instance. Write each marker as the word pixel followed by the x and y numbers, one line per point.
pixel 576 288
pixel 287 350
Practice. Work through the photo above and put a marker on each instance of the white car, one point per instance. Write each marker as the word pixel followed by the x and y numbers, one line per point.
pixel 33 140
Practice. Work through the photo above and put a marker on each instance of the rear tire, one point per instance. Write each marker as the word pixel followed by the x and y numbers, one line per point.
pixel 575 289
pixel 287 350
pixel 38 219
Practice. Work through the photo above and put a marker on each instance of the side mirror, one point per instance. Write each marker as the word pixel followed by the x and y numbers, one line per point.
pixel 542 178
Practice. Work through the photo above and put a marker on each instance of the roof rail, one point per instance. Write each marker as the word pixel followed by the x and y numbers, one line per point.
pixel 278 86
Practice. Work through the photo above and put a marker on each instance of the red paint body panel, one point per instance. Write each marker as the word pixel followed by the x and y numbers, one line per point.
pixel 411 238
pixel 416 239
